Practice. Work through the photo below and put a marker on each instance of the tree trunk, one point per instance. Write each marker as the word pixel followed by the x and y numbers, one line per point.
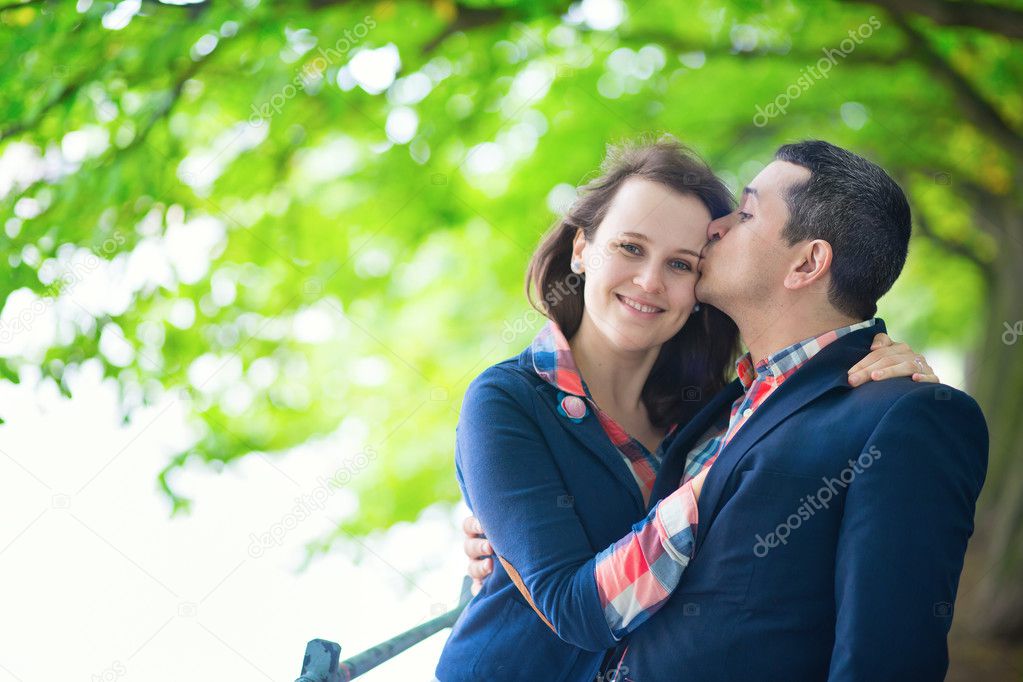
pixel 997 384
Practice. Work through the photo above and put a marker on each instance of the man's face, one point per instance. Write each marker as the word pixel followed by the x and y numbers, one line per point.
pixel 746 258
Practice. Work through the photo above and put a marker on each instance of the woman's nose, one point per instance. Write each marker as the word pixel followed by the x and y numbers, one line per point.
pixel 649 279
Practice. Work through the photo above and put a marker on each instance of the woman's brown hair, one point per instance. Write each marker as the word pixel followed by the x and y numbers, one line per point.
pixel 694 364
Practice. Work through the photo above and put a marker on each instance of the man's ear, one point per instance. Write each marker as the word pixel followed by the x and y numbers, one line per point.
pixel 810 266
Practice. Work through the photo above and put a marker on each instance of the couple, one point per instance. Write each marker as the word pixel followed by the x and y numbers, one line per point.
pixel 806 521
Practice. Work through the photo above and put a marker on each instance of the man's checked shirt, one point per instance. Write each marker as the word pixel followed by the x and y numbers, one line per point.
pixel 636 575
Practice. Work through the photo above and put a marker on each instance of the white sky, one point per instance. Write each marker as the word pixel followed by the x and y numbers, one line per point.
pixel 96 582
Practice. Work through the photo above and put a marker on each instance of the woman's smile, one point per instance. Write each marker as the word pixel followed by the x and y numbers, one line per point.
pixel 639 308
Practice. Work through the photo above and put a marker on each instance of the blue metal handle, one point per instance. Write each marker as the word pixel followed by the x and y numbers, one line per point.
pixel 320 662
pixel 321 656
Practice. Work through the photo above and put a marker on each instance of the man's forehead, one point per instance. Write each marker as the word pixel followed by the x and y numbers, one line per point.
pixel 776 176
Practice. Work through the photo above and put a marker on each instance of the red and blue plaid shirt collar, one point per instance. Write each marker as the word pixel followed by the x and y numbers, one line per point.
pixel 786 361
pixel 552 360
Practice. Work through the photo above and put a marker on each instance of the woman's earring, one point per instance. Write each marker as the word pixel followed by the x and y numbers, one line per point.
pixel 577 267
pixel 696 308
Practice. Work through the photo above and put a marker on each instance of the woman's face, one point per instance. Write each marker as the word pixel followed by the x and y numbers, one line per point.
pixel 641 266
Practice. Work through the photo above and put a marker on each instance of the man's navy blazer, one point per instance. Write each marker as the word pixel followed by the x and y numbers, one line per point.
pixel 831 535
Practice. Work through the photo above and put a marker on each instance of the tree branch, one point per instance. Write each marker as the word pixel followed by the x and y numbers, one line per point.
pixel 974 105
pixel 67 91
pixel 19 5
pixel 955 248
pixel 468 18
pixel 1005 21
pixel 673 42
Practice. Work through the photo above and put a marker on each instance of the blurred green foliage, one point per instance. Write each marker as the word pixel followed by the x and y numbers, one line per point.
pixel 360 280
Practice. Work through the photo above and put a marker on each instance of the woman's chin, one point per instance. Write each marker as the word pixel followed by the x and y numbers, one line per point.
pixel 629 340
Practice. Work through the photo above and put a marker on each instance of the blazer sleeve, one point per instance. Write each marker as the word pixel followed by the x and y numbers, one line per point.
pixel 905 526
pixel 513 486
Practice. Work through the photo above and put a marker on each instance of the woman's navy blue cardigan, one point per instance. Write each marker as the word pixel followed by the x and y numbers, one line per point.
pixel 551 493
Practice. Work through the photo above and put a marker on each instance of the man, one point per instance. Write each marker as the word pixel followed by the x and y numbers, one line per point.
pixel 833 522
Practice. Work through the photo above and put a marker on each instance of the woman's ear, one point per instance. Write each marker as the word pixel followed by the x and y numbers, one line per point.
pixel 578 244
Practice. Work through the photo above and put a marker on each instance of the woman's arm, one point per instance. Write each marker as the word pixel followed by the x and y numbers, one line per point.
pixel 511 483
pixel 513 486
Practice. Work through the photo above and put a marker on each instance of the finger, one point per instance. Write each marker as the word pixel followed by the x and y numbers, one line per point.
pixel 866 373
pixel 475 570
pixel 476 547
pixel 930 378
pixel 480 568
pixel 899 350
pixel 881 340
pixel 901 369
pixel 477 585
pixel 471 526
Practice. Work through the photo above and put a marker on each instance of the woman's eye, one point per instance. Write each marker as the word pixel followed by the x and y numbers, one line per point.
pixel 681 265
pixel 743 216
pixel 630 248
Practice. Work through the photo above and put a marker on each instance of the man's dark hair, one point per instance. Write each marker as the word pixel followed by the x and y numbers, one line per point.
pixel 857 208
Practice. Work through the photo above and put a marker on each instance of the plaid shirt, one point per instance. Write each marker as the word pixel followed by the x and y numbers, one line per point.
pixel 637 574
pixel 552 361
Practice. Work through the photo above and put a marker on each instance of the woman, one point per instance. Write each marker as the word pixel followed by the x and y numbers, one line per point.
pixel 559 469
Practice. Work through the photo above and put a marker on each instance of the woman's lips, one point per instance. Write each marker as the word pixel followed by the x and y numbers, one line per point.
pixel 638 308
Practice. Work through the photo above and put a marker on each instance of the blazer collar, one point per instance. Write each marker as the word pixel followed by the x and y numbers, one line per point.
pixel 675 458
pixel 825 372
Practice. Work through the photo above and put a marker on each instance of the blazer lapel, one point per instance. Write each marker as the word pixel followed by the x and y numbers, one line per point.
pixel 822 373
pixel 675 458
pixel 592 436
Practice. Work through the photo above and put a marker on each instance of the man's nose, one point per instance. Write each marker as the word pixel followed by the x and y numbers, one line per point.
pixel 718 227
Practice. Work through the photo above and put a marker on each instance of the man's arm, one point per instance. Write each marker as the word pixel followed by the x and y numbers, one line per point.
pixel 906 522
